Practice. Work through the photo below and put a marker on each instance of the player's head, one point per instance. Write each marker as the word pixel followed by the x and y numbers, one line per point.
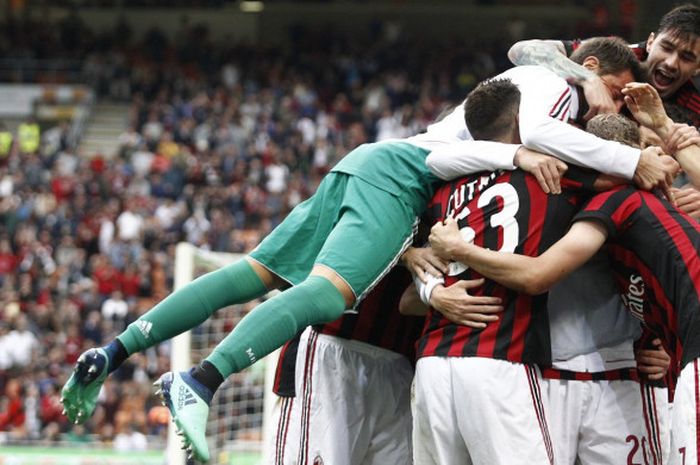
pixel 612 60
pixel 491 111
pixel 610 126
pixel 674 49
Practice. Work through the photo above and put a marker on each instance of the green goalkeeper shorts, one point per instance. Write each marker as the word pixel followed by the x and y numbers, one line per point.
pixel 348 225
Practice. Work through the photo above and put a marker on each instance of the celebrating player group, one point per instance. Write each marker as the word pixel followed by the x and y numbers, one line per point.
pixel 519 284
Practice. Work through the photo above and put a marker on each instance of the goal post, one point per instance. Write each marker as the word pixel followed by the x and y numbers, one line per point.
pixel 240 414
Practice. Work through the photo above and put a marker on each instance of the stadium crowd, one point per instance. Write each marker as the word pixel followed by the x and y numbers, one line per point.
pixel 222 142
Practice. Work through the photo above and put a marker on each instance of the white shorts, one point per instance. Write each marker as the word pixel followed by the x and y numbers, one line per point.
pixel 684 417
pixel 607 422
pixel 481 411
pixel 277 450
pixel 352 406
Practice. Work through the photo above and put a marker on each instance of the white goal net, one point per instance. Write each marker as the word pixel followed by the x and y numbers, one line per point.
pixel 239 410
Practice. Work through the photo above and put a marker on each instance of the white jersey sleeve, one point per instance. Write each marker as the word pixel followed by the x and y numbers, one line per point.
pixel 454 153
pixel 470 156
pixel 547 104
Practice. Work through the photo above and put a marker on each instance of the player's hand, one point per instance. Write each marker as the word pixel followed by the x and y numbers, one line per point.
pixel 653 363
pixel 654 171
pixel 445 238
pixel 457 305
pixel 546 169
pixel 681 136
pixel 645 104
pixel 598 97
pixel 422 260
pixel 687 199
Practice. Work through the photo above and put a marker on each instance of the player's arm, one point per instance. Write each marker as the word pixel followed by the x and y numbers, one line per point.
pixel 540 130
pixel 411 303
pixel 454 302
pixel 572 145
pixel 544 98
pixel 530 275
pixel 535 51
pixel 647 108
pixel 467 157
pixel 552 54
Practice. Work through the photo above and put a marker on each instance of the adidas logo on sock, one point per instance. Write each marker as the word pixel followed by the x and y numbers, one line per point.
pixel 145 327
pixel 185 397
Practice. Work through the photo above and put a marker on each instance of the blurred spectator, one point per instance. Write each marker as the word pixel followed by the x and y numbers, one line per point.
pixel 196 228
pixel 5 358
pixel 29 136
pixel 6 142
pixel 115 307
pixel 20 343
pixel 130 440
pixel 12 417
pixel 8 260
pixel 51 406
pixel 129 224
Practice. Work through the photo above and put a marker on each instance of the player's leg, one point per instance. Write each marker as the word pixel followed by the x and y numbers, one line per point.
pixel 565 401
pixel 372 230
pixel 183 310
pixel 389 410
pixel 623 422
pixel 285 256
pixel 354 403
pixel 332 409
pixel 437 439
pixel 282 447
pixel 684 417
pixel 373 227
pixel 500 412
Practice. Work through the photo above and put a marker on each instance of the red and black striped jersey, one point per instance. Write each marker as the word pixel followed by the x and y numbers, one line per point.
pixel 506 211
pixel 654 250
pixel 687 97
pixel 377 322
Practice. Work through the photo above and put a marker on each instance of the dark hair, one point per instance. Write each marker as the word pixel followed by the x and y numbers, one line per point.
pixel 682 21
pixel 612 126
pixel 490 109
pixel 614 56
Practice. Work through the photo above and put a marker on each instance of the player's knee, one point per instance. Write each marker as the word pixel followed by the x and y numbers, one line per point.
pixel 269 279
pixel 327 302
pixel 337 281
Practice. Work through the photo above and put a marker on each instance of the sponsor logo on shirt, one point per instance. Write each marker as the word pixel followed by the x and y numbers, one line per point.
pixel 634 297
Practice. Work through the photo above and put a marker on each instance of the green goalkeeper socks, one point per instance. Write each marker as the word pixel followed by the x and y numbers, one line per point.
pixel 188 307
pixel 274 322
